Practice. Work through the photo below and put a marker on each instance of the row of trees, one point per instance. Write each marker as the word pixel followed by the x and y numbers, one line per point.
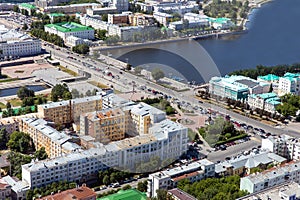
pixel 112 176
pixel 214 188
pixel 290 106
pixel 50 37
pixel 75 93
pixel 261 70
pixel 50 188
pixel 81 49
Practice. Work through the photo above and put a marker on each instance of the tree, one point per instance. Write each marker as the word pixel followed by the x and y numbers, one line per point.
pixel 81 49
pixel 113 39
pixel 104 17
pixel 8 105
pixel 16 8
pixel 138 69
pixel 41 154
pixel 19 141
pixel 271 88
pixel 157 74
pixel 59 92
pixel 106 180
pixel 3 138
pixel 24 92
pixel 88 93
pixel 28 101
pixel 142 186
pixel 25 27
pixel 101 34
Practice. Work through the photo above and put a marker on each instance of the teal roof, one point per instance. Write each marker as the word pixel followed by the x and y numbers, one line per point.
pixel 56 14
pixel 69 27
pixel 269 77
pixel 221 20
pixel 273 101
pixel 267 95
pixel 27 5
pixel 131 194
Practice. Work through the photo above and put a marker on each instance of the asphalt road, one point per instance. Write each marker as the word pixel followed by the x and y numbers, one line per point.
pixel 126 77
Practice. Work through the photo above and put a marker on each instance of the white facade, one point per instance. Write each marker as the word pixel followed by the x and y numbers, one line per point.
pixel 265 101
pixel 169 178
pixel 121 5
pixel 260 181
pixel 162 18
pixel 289 84
pixel 74 41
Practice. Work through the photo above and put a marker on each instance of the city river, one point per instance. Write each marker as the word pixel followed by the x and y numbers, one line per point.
pixel 273 38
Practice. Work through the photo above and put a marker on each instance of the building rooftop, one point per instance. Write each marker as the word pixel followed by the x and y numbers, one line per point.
pixel 16 185
pixel 131 194
pixel 82 192
pixel 69 27
pixel 56 14
pixel 181 195
pixel 275 193
pixel 27 5
pixel 274 172
pixel 269 77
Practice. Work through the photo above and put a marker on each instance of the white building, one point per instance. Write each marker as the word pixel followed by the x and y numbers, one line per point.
pixel 18 188
pixel 121 5
pixel 283 145
pixel 66 29
pixel 166 140
pixel 13 44
pixel 169 178
pixel 266 101
pixel 71 9
pixel 162 18
pixel 74 41
pixel 221 23
pixel 289 84
pixel 270 178
pixel 286 191
pixel 101 11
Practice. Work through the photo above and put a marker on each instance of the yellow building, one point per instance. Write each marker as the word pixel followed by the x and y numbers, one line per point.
pixel 55 143
pixel 66 112
pixel 105 126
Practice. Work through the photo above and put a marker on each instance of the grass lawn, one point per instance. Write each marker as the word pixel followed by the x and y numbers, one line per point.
pixel 97 84
pixel 15 102
pixel 72 73
pixel 191 134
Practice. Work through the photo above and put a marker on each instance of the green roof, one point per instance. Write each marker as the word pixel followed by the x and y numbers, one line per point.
pixel 69 27
pixel 267 95
pixel 131 194
pixel 27 5
pixel 269 77
pixel 219 20
pixel 56 14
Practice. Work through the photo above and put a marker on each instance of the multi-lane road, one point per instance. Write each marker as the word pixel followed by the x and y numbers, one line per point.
pixel 126 78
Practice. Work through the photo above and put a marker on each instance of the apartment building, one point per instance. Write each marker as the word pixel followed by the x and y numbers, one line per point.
pixel 283 145
pixel 286 191
pixel 45 3
pixel 118 18
pixel 289 84
pixel 55 143
pixel 10 124
pixel 270 178
pixel 266 101
pixel 272 79
pixel 162 18
pixel 101 11
pixel 105 125
pixel 66 29
pixel 166 140
pixel 243 164
pixel 236 87
pixel 169 178
pixel 5 191
pixel 70 9
pixel 139 19
pixel 121 5
pixel 18 188
pixel 69 111
pixel 78 193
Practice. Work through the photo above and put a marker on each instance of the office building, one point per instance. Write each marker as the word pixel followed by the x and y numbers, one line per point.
pixel 67 29
pixel 78 193
pixel 236 87
pixel 71 9
pixel 289 84
pixel 272 79
pixel 16 44
pixel 286 191
pixel 55 143
pixel 270 178
pixel 242 165
pixel 69 111
pixel 169 178
pixel 266 102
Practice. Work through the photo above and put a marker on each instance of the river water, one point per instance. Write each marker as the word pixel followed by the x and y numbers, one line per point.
pixel 273 38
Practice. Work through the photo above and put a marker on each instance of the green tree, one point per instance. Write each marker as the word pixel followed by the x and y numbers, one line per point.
pixel 104 17
pixel 75 93
pixel 88 93
pixel 157 74
pixel 142 186
pixel 60 91
pixel 106 180
pixel 28 101
pixel 138 69
pixel 8 105
pixel 16 8
pixel 41 154
pixel 25 27
pixel 101 34
pixel 19 142
pixel 24 92
pixel 3 138
pixel 81 49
